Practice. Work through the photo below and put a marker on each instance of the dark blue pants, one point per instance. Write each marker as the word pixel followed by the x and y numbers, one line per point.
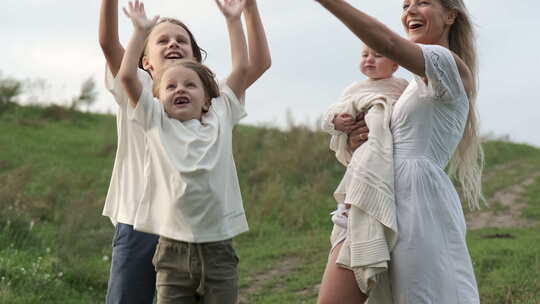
pixel 133 278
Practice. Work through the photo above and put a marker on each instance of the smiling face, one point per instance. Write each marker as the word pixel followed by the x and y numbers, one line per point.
pixel 167 42
pixel 427 21
pixel 182 93
pixel 376 66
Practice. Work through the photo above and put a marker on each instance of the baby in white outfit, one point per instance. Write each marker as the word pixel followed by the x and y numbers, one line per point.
pixel 379 71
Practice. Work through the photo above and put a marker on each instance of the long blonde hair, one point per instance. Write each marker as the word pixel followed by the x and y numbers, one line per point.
pixel 467 163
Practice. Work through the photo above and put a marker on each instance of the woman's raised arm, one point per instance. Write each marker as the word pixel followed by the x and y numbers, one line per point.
pixel 378 36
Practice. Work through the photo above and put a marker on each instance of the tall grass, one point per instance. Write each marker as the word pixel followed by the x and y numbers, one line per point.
pixel 55 166
pixel 286 177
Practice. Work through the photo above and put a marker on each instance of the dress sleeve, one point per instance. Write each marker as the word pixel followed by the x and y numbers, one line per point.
pixel 148 111
pixel 234 106
pixel 114 85
pixel 444 81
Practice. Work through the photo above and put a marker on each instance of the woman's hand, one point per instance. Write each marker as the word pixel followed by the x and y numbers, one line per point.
pixel 359 133
pixel 136 13
pixel 231 9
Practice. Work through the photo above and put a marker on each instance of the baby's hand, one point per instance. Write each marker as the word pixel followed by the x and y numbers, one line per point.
pixel 343 122
pixel 231 9
pixel 136 13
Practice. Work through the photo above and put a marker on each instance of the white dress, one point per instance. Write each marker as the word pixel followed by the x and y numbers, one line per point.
pixel 430 262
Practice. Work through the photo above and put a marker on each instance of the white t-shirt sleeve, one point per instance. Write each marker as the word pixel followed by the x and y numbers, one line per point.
pixel 148 111
pixel 444 80
pixel 114 85
pixel 234 106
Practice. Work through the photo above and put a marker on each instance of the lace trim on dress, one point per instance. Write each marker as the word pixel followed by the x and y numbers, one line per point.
pixel 440 90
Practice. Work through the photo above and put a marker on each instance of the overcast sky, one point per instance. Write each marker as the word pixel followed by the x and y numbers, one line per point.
pixel 314 56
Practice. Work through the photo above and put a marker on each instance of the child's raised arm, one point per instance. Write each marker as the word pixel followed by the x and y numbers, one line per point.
pixel 130 62
pixel 258 50
pixel 232 9
pixel 108 35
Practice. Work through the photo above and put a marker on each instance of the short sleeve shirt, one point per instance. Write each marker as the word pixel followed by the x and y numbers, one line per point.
pixel 191 191
pixel 124 192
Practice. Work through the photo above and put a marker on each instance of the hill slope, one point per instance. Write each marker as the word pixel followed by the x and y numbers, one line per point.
pixel 55 166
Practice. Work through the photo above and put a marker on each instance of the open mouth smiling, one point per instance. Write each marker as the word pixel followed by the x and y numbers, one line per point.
pixel 180 101
pixel 174 55
pixel 415 24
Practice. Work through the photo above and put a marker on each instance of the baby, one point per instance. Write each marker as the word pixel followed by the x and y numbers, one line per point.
pixel 341 117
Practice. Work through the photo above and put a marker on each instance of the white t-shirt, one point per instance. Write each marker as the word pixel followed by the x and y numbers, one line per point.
pixel 125 192
pixel 191 191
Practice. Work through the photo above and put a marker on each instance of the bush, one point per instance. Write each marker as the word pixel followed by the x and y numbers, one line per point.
pixel 9 89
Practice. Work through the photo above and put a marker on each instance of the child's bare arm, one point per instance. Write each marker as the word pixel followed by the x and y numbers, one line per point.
pixel 232 9
pixel 259 52
pixel 108 35
pixel 130 62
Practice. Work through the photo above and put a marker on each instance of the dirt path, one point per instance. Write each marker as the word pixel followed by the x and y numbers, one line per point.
pixel 510 215
pixel 310 290
pixel 258 281
pixel 507 216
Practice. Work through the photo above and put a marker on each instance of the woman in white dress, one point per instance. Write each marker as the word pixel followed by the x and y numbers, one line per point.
pixel 434 126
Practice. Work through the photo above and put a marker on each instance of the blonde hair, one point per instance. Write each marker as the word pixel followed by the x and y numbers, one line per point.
pixel 206 75
pixel 467 163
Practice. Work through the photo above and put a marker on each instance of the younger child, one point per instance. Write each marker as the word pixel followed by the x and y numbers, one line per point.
pixel 191 196
pixel 365 224
pixel 340 117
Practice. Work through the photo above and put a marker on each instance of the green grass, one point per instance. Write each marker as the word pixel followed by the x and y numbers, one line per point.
pixel 507 268
pixel 533 201
pixel 55 166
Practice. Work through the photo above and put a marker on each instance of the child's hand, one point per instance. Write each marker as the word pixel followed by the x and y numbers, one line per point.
pixel 136 13
pixel 231 9
pixel 343 122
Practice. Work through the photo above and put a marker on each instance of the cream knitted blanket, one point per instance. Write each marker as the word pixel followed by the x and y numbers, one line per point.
pixel 391 88
pixel 368 185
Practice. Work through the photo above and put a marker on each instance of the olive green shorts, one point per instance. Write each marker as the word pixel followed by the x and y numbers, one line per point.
pixel 189 273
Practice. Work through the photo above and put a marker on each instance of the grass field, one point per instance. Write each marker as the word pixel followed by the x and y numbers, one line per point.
pixel 55 247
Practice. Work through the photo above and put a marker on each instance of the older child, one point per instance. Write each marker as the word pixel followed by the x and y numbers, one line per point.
pixel 364 233
pixel 132 275
pixel 191 195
